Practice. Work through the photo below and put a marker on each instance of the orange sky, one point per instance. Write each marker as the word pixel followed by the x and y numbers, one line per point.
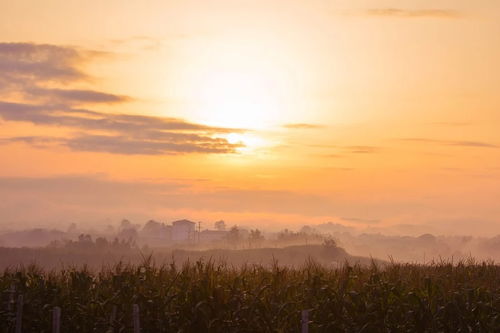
pixel 269 113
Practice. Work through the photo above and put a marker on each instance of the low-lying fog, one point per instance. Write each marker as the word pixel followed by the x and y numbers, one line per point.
pixel 185 239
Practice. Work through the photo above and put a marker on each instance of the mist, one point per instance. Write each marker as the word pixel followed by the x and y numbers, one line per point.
pixel 330 244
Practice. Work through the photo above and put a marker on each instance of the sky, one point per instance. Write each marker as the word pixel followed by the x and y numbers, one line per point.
pixel 262 113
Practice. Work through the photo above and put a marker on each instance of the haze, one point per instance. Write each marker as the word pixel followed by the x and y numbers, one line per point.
pixel 377 115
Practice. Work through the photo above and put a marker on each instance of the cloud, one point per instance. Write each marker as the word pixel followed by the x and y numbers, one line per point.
pixel 27 69
pixel 63 115
pixel 45 75
pixel 413 13
pixel 303 126
pixel 39 62
pixel 125 145
pixel 355 149
pixel 343 151
pixel 333 155
pixel 133 143
pixel 35 141
pixel 360 220
pixel 361 149
pixel 77 96
pixel 70 197
pixel 473 144
pixel 91 198
pixel 452 123
pixel 341 169
pixel 458 143
pixel 131 146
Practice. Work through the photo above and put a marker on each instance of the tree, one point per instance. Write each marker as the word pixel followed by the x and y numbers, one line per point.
pixel 153 228
pixel 306 230
pixel 255 237
pixel 125 224
pixel 233 236
pixel 101 242
pixel 330 243
pixel 128 234
pixel 72 228
pixel 220 225
pixel 84 241
pixel 84 238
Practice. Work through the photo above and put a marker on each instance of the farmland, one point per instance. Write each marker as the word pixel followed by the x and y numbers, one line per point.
pixel 96 257
pixel 208 296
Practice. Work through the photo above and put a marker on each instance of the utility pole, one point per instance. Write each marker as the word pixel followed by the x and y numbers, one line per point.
pixel 199 231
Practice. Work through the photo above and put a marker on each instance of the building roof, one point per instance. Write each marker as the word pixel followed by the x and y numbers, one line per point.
pixel 181 222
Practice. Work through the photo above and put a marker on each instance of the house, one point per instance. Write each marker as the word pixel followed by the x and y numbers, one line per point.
pixel 183 231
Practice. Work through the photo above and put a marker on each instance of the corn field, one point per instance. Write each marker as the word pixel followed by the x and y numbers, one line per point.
pixel 212 297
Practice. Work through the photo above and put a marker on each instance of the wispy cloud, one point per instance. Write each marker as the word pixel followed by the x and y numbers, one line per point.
pixel 413 13
pixel 35 141
pixel 132 146
pixel 76 96
pixel 343 151
pixel 362 149
pixel 62 115
pixel 458 143
pixel 451 123
pixel 124 145
pixel 360 220
pixel 303 126
pixel 128 134
pixel 88 193
pixel 45 75
pixel 47 72
pixel 39 62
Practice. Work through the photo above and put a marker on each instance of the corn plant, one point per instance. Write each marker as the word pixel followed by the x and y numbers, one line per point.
pixel 205 296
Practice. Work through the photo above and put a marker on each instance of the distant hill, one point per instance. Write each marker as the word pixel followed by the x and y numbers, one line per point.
pixel 289 256
pixel 51 258
pixel 30 238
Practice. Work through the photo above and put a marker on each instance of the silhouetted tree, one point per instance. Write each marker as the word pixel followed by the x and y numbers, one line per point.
pixel 72 228
pixel 101 242
pixel 255 237
pixel 220 225
pixel 233 236
pixel 330 243
pixel 125 224
pixel 129 234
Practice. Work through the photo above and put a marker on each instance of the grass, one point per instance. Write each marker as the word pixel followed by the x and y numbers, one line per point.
pixel 210 297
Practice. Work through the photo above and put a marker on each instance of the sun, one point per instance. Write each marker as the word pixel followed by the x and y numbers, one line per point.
pixel 241 98
pixel 240 85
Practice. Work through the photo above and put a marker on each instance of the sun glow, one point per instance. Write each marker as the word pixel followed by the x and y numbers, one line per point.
pixel 240 99
pixel 241 85
pixel 249 142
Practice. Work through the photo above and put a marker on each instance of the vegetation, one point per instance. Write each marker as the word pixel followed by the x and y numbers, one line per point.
pixel 100 253
pixel 211 297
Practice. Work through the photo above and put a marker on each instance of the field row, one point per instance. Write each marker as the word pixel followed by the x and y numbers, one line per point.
pixel 209 297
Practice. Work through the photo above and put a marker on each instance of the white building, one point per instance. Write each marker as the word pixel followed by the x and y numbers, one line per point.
pixel 183 231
